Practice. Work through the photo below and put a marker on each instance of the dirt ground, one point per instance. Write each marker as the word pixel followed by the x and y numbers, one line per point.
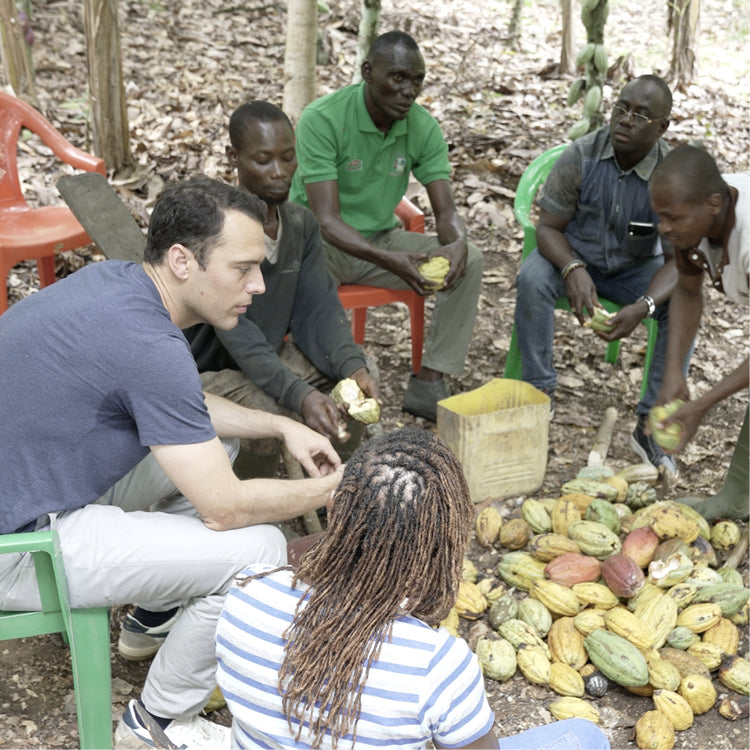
pixel 187 67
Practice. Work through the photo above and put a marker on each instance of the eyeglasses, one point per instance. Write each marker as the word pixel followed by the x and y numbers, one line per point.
pixel 621 111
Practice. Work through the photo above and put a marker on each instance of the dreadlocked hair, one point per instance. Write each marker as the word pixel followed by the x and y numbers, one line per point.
pixel 396 537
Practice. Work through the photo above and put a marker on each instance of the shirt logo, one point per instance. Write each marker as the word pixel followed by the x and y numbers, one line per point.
pixel 399 166
pixel 355 165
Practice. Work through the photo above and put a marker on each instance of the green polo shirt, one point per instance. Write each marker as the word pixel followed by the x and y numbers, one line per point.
pixel 337 140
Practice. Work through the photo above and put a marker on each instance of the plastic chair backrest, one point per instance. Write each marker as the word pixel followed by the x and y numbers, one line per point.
pixel 531 180
pixel 16 114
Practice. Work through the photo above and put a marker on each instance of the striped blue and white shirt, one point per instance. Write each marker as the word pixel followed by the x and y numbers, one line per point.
pixel 425 685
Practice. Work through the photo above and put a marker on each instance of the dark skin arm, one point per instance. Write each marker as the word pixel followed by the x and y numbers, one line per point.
pixel 324 202
pixel 325 416
pixel 580 289
pixel 685 310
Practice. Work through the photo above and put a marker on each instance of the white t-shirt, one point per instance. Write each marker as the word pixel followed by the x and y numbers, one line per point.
pixel 426 683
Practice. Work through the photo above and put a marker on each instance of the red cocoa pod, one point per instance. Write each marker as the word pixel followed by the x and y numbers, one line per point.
pixel 573 567
pixel 639 545
pixel 622 575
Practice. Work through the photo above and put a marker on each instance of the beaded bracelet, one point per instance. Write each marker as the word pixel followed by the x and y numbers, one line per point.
pixel 570 267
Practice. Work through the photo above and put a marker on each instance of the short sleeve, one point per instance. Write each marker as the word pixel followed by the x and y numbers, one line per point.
pixel 456 708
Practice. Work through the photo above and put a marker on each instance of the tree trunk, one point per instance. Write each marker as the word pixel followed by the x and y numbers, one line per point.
pixel 514 27
pixel 683 21
pixel 15 52
pixel 567 54
pixel 368 29
pixel 299 56
pixel 108 110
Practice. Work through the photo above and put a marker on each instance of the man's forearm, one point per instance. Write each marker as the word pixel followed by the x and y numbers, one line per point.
pixel 685 310
pixel 230 420
pixel 663 283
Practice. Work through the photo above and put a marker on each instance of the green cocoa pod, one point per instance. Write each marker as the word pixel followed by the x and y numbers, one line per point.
pixel 616 658
pixel 594 539
pixel 682 638
pixel 586 54
pixel 519 569
pixel 575 91
pixel 730 597
pixel 590 487
pixel 600 59
pixel 580 128
pixel 496 658
pixel 536 516
pixel 593 99
pixel 502 609
pixel 603 512
pixel 534 613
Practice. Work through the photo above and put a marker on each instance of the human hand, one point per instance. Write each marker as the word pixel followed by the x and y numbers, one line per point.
pixel 688 416
pixel 313 450
pixel 581 293
pixel 367 383
pixel 406 266
pixel 322 414
pixel 456 253
pixel 624 322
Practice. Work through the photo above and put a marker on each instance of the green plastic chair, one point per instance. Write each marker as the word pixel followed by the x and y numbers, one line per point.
pixel 528 186
pixel 85 630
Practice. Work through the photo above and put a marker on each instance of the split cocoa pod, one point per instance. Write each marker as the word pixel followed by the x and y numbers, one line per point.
pixel 434 271
pixel 667 437
pixel 361 408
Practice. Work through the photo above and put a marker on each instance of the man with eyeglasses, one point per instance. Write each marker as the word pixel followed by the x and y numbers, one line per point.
pixel 597 234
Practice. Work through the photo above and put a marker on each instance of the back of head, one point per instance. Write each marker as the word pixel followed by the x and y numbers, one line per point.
pixel 191 213
pixel 249 113
pixel 385 43
pixel 397 532
pixel 692 172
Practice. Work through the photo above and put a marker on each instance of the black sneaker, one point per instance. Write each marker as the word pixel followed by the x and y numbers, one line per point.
pixel 138 642
pixel 647 449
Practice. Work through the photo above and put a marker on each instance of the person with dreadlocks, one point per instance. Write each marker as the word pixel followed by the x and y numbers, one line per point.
pixel 341 651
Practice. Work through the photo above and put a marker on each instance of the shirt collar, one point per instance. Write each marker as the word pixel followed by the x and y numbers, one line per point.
pixel 644 168
pixel 365 123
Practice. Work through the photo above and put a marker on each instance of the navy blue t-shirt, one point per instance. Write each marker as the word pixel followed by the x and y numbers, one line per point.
pixel 94 372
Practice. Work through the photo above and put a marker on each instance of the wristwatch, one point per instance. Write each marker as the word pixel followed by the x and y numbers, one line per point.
pixel 649 303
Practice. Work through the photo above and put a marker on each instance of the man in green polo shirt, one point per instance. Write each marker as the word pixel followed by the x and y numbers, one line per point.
pixel 356 149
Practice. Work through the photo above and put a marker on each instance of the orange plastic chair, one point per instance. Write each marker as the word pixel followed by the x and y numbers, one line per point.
pixel 358 297
pixel 28 233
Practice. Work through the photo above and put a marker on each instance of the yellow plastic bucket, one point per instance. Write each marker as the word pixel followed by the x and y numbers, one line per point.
pixel 499 432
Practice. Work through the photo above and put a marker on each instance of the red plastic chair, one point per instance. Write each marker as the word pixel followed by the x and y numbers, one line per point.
pixel 358 297
pixel 28 233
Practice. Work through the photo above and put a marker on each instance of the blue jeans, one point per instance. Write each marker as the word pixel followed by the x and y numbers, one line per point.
pixel 569 734
pixel 539 286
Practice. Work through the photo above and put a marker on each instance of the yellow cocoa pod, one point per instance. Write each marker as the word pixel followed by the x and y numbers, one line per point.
pixel 469 571
pixel 699 617
pixel 558 598
pixel 620 484
pixel 547 547
pixel 622 621
pixel 564 512
pixel 515 534
pixel 450 623
pixel 215 701
pixel 675 708
pixel 595 594
pixel 565 680
pixel 569 707
pixel 659 613
pixel 725 635
pixel 366 411
pixel 735 674
pixel 489 523
pixel 471 602
pixel 725 534
pixel 599 321
pixel 668 438
pixel 347 391
pixel 589 620
pixel 435 270
pixel 699 692
pixel 685 662
pixel 654 731
pixel 565 643
pixel 534 664
pixel 709 653
pixel 662 674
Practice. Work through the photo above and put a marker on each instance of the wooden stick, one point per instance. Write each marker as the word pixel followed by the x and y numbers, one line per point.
pixel 294 471
pixel 735 556
pixel 603 438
